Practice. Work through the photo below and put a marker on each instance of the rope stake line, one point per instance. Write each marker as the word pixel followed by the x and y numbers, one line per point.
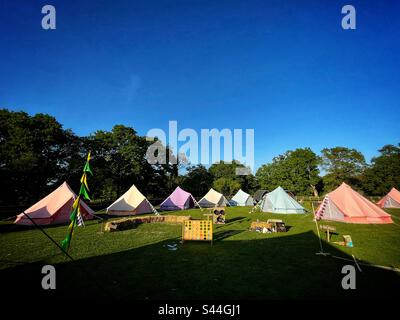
pixel 48 236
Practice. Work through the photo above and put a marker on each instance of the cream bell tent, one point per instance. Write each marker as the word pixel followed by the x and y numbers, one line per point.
pixel 213 199
pixel 131 202
pixel 55 208
pixel 346 205
pixel 391 200
pixel 278 201
pixel 178 200
pixel 241 199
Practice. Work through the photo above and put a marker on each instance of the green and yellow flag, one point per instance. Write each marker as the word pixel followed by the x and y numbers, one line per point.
pixel 75 216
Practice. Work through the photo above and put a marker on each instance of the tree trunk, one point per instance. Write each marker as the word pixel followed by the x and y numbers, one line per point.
pixel 315 191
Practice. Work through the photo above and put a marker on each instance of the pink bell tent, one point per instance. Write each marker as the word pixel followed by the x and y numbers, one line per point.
pixel 178 200
pixel 55 208
pixel 391 200
pixel 346 205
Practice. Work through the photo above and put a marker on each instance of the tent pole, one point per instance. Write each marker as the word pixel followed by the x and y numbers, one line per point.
pixel 319 236
pixel 51 239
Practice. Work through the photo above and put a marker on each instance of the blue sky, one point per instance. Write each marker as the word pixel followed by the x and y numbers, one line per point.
pixel 285 68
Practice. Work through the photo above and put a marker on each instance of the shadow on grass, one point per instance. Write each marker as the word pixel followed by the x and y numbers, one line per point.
pixel 267 268
pixel 229 221
pixel 221 235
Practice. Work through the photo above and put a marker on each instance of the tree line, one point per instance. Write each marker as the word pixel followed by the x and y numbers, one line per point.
pixel 37 154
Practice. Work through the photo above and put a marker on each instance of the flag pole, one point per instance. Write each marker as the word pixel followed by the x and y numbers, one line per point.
pixel 65 244
pixel 71 231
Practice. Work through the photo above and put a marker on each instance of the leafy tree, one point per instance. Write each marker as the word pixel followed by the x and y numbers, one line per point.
pixel 272 175
pixel 384 172
pixel 226 186
pixel 222 169
pixel 294 170
pixel 166 167
pixel 119 161
pixel 34 155
pixel 248 183
pixel 197 180
pixel 228 171
pixel 304 172
pixel 37 154
pixel 342 165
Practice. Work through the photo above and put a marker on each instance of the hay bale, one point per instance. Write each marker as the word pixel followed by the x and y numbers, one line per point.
pixel 170 219
pixel 110 226
pixel 182 219
pixel 132 222
pixel 259 225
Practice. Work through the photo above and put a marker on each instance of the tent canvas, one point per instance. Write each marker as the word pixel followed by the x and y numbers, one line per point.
pixel 241 198
pixel 178 200
pixel 213 199
pixel 131 202
pixel 55 208
pixel 278 201
pixel 346 205
pixel 391 200
pixel 259 195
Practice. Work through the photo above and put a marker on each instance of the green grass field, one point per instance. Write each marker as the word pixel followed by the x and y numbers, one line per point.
pixel 135 264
